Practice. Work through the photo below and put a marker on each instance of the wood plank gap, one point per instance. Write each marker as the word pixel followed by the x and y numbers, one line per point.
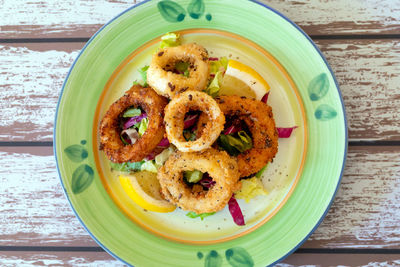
pixel 298 251
pixel 25 143
pixel 347 251
pixel 354 36
pixel 375 143
pixel 313 36
pixel 45 40
pixel 48 248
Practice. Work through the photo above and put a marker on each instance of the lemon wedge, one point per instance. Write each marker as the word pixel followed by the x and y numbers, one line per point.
pixel 144 189
pixel 242 80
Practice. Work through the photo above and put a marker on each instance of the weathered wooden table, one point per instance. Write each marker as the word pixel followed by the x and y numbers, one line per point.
pixel 39 41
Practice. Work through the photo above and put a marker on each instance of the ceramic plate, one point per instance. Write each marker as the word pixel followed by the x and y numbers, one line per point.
pixel 301 182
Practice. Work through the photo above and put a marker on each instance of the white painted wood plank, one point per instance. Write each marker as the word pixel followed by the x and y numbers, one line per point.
pixel 30 82
pixel 89 259
pixel 369 78
pixel 33 208
pixel 368 72
pixel 60 18
pixel 34 211
pixel 361 260
pixel 79 259
pixel 366 210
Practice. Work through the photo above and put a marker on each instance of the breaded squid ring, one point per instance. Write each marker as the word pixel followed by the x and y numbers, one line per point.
pixel 260 121
pixel 168 83
pixel 174 120
pixel 110 128
pixel 222 168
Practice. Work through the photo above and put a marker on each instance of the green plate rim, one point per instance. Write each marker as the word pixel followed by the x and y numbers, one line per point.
pixel 282 16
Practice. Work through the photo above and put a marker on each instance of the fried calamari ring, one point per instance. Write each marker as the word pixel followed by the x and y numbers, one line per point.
pixel 259 119
pixel 174 120
pixel 151 103
pixel 222 168
pixel 168 83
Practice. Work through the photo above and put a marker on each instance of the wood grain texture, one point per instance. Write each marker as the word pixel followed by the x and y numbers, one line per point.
pixel 103 259
pixel 58 259
pixel 368 72
pixel 364 214
pixel 69 18
pixel 30 82
pixel 361 260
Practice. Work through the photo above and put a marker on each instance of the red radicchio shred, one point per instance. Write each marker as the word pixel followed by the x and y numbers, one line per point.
pixel 232 129
pixel 285 132
pixel 235 211
pixel 152 155
pixel 212 75
pixel 207 182
pixel 190 121
pixel 213 59
pixel 164 143
pixel 265 98
pixel 132 121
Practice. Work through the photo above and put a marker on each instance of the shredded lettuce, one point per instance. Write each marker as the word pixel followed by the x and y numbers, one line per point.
pixel 132 112
pixel 127 166
pixel 219 65
pixel 260 172
pixel 250 188
pixel 142 126
pixel 189 135
pixel 143 73
pixel 170 39
pixel 194 215
pixel 182 67
pixel 163 156
pixel 149 165
pixel 215 85
pixel 235 145
pixel 193 176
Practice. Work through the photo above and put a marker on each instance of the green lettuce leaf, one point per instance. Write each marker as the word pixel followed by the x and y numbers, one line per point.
pixel 142 126
pixel 143 73
pixel 215 85
pixel 183 67
pixel 219 65
pixel 161 158
pixel 235 145
pixel 193 176
pixel 149 165
pixel 127 166
pixel 260 172
pixel 194 215
pixel 132 112
pixel 169 40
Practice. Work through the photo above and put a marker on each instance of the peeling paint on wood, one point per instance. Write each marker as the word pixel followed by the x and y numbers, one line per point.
pixel 366 211
pixel 364 215
pixel 81 18
pixel 323 259
pixel 58 259
pixel 30 82
pixel 368 72
pixel 33 208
